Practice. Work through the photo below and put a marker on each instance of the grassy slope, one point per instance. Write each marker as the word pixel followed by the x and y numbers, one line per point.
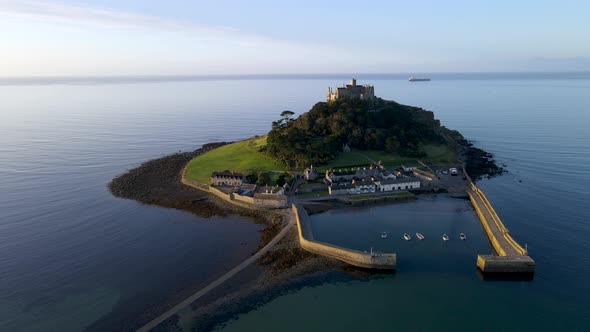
pixel 238 157
pixel 436 154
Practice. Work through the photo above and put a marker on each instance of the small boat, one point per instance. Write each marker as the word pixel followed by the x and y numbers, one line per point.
pixel 420 236
pixel 384 235
pixel 463 237
pixel 407 237
pixel 445 237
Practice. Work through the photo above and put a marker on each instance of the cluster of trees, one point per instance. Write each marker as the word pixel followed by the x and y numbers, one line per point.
pixel 267 178
pixel 318 135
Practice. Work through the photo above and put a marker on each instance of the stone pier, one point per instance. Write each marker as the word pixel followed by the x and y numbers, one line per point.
pixel 382 261
pixel 510 256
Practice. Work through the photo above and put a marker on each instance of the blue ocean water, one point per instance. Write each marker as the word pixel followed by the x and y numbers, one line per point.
pixel 72 255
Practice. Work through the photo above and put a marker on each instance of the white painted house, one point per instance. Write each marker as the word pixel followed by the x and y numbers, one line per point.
pixel 398 184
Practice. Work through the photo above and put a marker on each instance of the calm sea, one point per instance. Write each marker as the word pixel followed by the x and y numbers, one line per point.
pixel 72 256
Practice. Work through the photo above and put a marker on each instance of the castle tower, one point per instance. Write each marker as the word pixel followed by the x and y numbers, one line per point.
pixel 353 82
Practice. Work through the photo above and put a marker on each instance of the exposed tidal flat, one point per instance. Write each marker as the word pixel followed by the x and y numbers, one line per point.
pixel 74 257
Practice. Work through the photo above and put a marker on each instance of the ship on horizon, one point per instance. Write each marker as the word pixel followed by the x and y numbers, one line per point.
pixel 416 79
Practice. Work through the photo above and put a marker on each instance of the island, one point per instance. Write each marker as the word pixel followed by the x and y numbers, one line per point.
pixel 353 149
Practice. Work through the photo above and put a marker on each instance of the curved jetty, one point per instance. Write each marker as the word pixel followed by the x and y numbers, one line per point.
pixel 383 261
pixel 511 257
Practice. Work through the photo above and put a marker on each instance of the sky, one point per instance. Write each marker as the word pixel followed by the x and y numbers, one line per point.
pixel 183 37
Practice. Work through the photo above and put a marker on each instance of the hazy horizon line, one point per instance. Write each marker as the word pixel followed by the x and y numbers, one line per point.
pixel 64 79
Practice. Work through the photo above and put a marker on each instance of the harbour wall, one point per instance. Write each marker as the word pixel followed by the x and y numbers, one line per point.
pixel 510 256
pixel 385 261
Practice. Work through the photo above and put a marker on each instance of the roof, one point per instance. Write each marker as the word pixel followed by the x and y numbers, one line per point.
pixel 343 186
pixel 269 189
pixel 342 173
pixel 227 174
pixel 402 180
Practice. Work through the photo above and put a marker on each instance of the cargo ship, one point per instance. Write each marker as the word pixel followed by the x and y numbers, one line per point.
pixel 415 79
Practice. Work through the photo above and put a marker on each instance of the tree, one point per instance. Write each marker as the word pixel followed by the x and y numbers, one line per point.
pixel 318 135
pixel 391 144
pixel 286 115
pixel 263 179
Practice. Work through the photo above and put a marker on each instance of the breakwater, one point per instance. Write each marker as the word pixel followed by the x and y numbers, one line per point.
pixel 510 256
pixel 386 261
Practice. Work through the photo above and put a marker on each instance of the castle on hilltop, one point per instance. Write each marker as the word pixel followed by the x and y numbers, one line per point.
pixel 351 91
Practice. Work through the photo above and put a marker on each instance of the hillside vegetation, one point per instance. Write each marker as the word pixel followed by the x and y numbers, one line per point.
pixel 243 157
pixel 318 136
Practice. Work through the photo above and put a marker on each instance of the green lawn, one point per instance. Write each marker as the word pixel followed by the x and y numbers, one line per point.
pixel 240 157
pixel 437 154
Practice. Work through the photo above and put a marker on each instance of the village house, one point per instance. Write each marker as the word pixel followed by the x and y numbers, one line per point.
pixel 349 175
pixel 351 90
pixel 352 188
pixel 341 189
pixel 397 184
pixel 388 175
pixel 227 178
pixel 247 189
pixel 269 190
pixel 408 169
pixel 364 187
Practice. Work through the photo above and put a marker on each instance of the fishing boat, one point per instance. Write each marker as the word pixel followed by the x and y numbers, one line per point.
pixel 420 236
pixel 384 235
pixel 463 237
pixel 407 237
pixel 445 237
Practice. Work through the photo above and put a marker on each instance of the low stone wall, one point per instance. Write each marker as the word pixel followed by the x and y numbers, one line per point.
pixel 505 264
pixel 220 194
pixel 271 203
pixel 234 198
pixel 385 261
pixel 193 184
pixel 267 203
pixel 245 199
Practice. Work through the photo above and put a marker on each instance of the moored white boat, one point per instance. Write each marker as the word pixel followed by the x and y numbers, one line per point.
pixel 420 236
pixel 463 236
pixel 445 237
pixel 407 237
pixel 384 235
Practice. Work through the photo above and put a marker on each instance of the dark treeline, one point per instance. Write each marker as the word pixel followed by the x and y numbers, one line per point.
pixel 318 135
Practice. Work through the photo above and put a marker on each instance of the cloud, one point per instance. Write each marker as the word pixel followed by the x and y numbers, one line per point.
pixel 197 47
pixel 53 12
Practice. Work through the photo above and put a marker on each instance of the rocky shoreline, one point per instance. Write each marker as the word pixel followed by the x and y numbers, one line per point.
pixel 157 182
pixel 478 163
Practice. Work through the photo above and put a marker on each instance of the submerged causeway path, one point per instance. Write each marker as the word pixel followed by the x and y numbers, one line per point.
pixel 172 311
